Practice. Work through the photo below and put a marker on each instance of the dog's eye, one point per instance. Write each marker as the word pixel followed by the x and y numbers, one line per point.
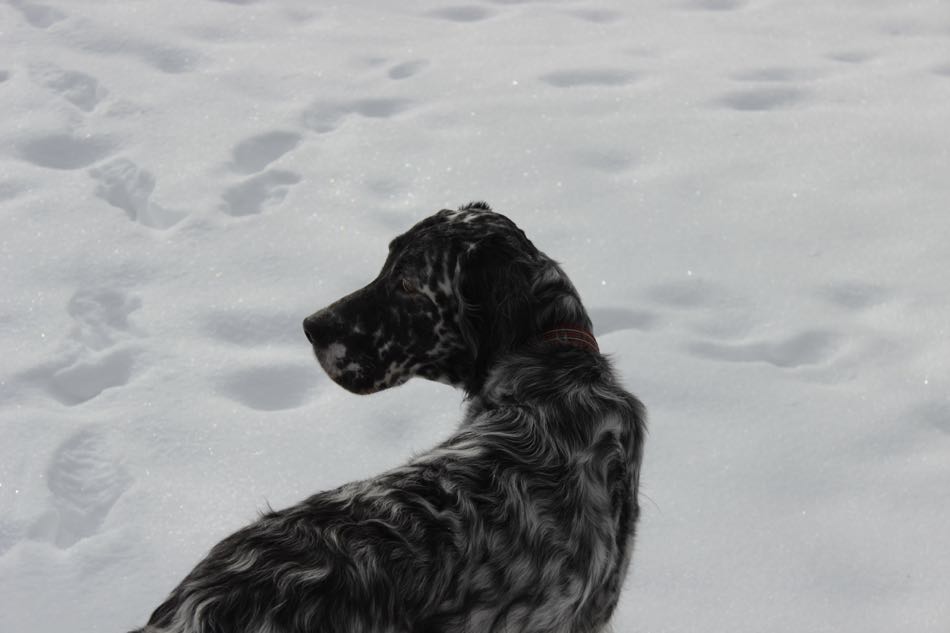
pixel 409 287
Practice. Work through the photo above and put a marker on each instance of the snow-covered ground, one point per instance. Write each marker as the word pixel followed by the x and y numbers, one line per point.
pixel 753 197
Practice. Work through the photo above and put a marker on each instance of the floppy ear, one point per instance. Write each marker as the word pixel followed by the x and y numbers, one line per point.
pixel 496 302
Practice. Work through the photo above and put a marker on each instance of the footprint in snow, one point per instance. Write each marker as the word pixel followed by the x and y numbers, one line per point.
pixel 97 353
pixel 851 56
pixel 463 13
pixel 606 160
pixel 101 325
pixel 253 154
pixel 585 77
pixel 407 69
pixel 126 186
pixel 88 376
pixel 12 531
pixel 779 74
pixel 597 16
pixel 10 189
pixel 167 59
pixel 387 188
pixel 101 316
pixel 253 195
pixel 65 151
pixel 509 2
pixel 80 89
pixel 687 293
pixel 85 478
pixel 934 414
pixel 854 295
pixel 712 309
pixel 763 99
pixel 806 348
pixel 324 117
pixel 616 319
pixel 39 15
pixel 715 5
pixel 271 387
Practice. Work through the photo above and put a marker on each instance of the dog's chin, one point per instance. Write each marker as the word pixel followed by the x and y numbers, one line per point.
pixel 356 376
pixel 346 380
pixel 361 387
pixel 360 390
pixel 331 359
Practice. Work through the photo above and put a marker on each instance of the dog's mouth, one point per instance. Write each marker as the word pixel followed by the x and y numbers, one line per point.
pixel 331 358
pixel 353 374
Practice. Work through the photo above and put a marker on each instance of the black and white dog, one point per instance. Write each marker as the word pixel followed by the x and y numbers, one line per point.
pixel 522 521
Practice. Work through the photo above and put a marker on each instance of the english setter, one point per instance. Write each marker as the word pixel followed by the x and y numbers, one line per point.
pixel 522 521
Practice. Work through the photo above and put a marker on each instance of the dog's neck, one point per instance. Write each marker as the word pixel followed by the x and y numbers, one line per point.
pixel 553 314
pixel 558 306
pixel 560 315
pixel 573 335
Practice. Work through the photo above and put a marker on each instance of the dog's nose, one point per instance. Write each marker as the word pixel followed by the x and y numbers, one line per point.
pixel 322 328
pixel 310 329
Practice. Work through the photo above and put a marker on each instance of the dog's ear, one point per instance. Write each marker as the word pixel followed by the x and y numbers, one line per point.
pixel 496 302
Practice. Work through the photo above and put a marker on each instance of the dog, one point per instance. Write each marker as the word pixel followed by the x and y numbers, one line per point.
pixel 522 521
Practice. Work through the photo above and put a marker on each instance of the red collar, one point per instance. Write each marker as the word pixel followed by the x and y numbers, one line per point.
pixel 572 335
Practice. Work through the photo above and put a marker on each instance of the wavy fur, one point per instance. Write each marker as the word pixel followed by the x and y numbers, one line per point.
pixel 523 520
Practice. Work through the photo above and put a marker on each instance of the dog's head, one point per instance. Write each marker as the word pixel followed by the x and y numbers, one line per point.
pixel 456 289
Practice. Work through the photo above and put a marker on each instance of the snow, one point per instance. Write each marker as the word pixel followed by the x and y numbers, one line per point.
pixel 751 196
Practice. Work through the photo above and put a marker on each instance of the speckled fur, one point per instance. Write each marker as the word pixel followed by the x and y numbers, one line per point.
pixel 522 521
